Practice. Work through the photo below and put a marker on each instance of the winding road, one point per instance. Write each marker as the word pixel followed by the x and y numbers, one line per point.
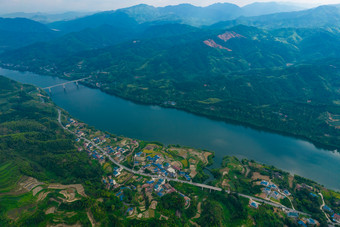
pixel 174 179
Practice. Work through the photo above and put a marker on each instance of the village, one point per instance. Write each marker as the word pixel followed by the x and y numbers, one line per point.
pixel 184 164
pixel 171 162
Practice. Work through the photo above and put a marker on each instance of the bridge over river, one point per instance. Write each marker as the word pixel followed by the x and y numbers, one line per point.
pixel 64 84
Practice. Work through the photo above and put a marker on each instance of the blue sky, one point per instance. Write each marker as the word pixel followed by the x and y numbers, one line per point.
pixel 8 6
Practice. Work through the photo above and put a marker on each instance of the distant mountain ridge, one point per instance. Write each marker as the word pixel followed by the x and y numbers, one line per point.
pixel 183 13
pixel 47 17
pixel 322 16
pixel 19 32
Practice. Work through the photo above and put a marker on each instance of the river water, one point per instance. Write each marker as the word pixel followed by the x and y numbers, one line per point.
pixel 170 126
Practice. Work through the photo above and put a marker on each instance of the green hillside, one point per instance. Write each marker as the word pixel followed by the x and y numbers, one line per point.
pixel 284 80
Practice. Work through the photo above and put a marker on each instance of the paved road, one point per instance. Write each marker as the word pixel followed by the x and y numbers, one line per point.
pixel 174 179
pixel 323 204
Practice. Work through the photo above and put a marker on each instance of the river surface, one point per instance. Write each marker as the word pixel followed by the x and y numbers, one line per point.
pixel 170 126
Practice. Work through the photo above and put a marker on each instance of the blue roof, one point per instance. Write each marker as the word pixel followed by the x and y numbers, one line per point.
pixel 327 208
pixel 302 223
pixel 312 194
pixel 166 164
pixel 160 194
pixel 130 209
pixel 121 197
pixel 253 204
pixel 150 182
pixel 311 221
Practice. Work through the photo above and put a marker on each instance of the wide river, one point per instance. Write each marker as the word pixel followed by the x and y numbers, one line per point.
pixel 171 126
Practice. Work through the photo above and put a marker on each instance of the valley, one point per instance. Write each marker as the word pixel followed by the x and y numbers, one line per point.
pixel 121 190
pixel 169 115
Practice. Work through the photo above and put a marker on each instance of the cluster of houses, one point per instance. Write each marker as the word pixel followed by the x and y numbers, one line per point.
pixel 116 171
pixel 160 187
pixel 117 153
pixel 157 165
pixel 110 182
pixel 308 222
pixel 101 139
pixel 302 221
pixel 76 124
pixel 89 148
pixel 272 191
pixel 334 216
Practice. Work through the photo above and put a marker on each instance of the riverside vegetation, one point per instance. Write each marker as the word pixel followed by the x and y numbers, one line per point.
pixel 46 179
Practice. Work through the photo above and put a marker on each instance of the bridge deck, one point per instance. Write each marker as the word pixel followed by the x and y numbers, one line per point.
pixel 68 82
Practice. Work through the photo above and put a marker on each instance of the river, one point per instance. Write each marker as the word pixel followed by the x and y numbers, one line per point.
pixel 170 126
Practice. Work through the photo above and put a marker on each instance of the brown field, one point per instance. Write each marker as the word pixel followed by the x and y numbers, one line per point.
pixel 257 175
pixel 78 187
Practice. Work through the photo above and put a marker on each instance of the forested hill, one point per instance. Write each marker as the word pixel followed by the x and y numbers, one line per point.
pixel 33 145
pixel 31 137
pixel 285 80
pixel 19 32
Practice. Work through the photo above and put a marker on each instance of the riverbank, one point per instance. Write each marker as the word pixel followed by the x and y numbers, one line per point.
pixel 171 126
pixel 288 123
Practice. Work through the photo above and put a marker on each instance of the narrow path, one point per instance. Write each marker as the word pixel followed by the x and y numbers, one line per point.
pixel 198 214
pixel 323 204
